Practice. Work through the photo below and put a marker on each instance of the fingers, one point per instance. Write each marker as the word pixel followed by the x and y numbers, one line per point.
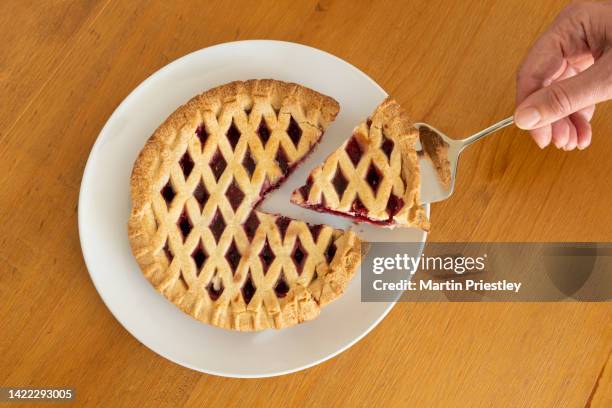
pixel 542 136
pixel 567 133
pixel 561 133
pixel 572 140
pixel 563 98
pixel 583 130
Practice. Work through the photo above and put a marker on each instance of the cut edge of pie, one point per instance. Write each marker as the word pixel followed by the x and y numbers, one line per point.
pixel 193 228
pixel 373 176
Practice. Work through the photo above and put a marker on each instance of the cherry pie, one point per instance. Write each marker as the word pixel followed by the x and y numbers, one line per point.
pixel 194 230
pixel 374 176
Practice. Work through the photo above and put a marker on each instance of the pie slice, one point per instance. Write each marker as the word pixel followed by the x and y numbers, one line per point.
pixel 374 176
pixel 194 229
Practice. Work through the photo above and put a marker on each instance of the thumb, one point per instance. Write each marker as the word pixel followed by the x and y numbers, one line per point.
pixel 561 99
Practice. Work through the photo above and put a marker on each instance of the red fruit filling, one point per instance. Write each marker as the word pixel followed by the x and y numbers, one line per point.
pixel 201 194
pixel 199 257
pixel 294 131
pixel 281 288
pixel 233 135
pixel 267 256
pixel 214 293
pixel 202 134
pixel 249 163
pixel 218 164
pixel 315 230
pixel 387 147
pixel 282 160
pixel 184 224
pixel 305 189
pixel 360 215
pixel 168 193
pixel 217 225
pixel 186 164
pixel 330 252
pixel 358 208
pixel 250 225
pixel 235 195
pixel 248 289
pixel 299 256
pixel 373 177
pixel 168 252
pixel 339 182
pixel 354 151
pixel 394 205
pixel 282 223
pixel 233 257
pixel 263 131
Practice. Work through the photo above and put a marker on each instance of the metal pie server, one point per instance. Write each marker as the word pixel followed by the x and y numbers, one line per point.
pixel 433 189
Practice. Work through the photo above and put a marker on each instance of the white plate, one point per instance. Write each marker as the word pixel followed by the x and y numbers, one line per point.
pixel 104 206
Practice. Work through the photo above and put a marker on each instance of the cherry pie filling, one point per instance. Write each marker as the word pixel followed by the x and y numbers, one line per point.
pixel 186 164
pixel 201 194
pixel 299 256
pixel 353 150
pixel 267 256
pixel 217 164
pixel 217 225
pixel 202 135
pixel 355 217
pixel 248 289
pixel 387 148
pixel 233 257
pixel 199 257
pixel 214 292
pixel 235 195
pixel 250 225
pixel 281 288
pixel 168 193
pixel 184 224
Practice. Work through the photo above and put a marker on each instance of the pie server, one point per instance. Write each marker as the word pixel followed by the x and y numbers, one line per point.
pixel 432 189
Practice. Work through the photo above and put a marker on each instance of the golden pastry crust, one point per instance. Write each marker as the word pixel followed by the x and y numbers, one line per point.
pixel 374 175
pixel 193 229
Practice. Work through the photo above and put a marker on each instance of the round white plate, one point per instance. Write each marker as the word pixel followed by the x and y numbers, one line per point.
pixel 104 206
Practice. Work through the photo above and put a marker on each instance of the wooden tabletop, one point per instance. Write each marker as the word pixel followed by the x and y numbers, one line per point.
pixel 66 65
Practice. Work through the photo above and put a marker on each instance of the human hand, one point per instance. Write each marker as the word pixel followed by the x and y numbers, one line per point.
pixel 567 71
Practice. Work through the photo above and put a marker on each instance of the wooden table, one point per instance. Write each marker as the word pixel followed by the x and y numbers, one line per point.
pixel 66 65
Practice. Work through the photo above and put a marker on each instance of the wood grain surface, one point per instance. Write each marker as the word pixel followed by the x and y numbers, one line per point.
pixel 66 65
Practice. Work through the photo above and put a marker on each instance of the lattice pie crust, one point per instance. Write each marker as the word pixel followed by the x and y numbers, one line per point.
pixel 193 228
pixel 374 176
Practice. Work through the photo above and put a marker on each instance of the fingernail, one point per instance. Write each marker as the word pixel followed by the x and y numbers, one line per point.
pixel 541 143
pixel 526 118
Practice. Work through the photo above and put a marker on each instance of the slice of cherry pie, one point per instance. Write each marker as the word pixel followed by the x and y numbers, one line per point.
pixel 374 176
pixel 193 228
